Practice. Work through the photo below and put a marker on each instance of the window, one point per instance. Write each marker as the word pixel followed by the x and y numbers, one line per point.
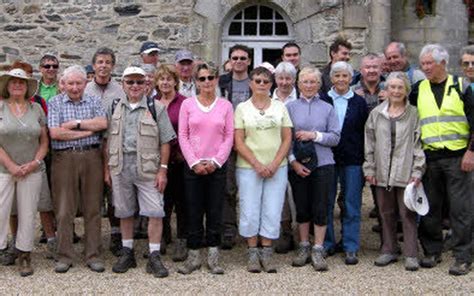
pixel 258 20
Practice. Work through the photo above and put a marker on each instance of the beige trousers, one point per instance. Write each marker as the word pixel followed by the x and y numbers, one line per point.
pixel 27 191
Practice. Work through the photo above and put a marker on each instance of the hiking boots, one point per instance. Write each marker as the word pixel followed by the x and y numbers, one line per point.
pixel 213 261
pixel 180 251
pixel 155 266
pixel 385 259
pixel 253 263
pixel 24 261
pixel 125 261
pixel 303 256
pixel 266 259
pixel 192 263
pixel 317 259
pixel 411 264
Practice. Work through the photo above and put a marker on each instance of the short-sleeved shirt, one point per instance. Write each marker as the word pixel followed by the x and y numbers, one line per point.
pixel 240 91
pixel 262 131
pixel 62 109
pixel 47 91
pixel 107 93
pixel 19 136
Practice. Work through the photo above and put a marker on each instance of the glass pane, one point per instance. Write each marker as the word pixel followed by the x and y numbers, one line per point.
pixel 281 29
pixel 238 16
pixel 266 29
pixel 235 29
pixel 278 16
pixel 250 29
pixel 266 13
pixel 251 13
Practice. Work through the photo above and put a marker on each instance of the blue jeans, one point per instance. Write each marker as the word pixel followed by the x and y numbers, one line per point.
pixel 352 180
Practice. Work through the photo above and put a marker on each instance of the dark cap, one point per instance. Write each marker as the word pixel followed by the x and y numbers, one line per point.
pixel 89 69
pixel 149 47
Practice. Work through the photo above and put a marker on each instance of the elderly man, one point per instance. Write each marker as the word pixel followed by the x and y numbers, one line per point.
pixel 184 62
pixel 75 123
pixel 467 63
pixel 150 53
pixel 446 111
pixel 138 150
pixel 48 86
pixel 340 50
pixel 397 58
pixel 370 86
pixel 107 89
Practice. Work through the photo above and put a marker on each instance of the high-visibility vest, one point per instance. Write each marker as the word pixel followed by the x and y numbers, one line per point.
pixel 446 127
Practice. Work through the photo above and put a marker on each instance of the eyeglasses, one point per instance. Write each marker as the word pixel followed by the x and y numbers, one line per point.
pixel 209 78
pixel 467 64
pixel 132 82
pixel 260 81
pixel 242 58
pixel 49 66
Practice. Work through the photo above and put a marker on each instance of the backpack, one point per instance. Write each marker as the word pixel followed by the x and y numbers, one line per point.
pixel 457 87
pixel 150 102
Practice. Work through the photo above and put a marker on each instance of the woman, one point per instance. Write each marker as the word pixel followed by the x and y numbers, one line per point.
pixel 351 111
pixel 24 144
pixel 285 77
pixel 393 158
pixel 314 121
pixel 167 86
pixel 262 141
pixel 206 131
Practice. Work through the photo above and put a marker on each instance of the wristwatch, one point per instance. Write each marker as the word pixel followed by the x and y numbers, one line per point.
pixel 78 126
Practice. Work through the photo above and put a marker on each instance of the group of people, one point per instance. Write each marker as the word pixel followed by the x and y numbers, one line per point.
pixel 180 138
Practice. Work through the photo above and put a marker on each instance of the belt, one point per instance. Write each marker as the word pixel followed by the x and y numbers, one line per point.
pixel 81 148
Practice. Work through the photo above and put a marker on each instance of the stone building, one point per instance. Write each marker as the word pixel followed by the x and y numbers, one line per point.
pixel 74 29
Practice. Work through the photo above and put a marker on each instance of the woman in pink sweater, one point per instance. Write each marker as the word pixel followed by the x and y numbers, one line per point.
pixel 206 131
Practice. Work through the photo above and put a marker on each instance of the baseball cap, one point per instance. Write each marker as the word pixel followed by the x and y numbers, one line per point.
pixel 149 47
pixel 133 70
pixel 182 55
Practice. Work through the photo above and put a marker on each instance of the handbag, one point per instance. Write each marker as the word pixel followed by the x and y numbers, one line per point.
pixel 305 154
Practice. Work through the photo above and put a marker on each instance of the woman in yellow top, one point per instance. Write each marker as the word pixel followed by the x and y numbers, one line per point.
pixel 262 140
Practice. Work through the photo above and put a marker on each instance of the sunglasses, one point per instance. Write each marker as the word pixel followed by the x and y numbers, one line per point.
pixel 239 58
pixel 209 78
pixel 260 81
pixel 467 64
pixel 132 82
pixel 49 66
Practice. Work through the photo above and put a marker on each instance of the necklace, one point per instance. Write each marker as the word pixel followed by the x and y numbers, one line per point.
pixel 20 109
pixel 261 110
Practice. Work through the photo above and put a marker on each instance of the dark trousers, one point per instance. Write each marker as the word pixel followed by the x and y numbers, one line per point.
pixel 204 195
pixel 77 179
pixel 230 200
pixel 444 177
pixel 390 203
pixel 311 194
pixel 174 198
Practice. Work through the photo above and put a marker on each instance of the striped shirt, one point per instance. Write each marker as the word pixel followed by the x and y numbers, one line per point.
pixel 62 109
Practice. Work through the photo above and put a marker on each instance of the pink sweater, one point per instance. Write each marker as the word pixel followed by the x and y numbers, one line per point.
pixel 206 135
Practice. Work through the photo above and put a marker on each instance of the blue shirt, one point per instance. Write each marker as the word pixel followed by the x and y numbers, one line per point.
pixel 340 104
pixel 62 109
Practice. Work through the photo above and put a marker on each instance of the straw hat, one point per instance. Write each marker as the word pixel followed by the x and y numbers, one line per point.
pixel 17 73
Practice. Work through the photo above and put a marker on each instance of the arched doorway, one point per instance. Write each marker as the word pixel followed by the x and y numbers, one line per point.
pixel 263 28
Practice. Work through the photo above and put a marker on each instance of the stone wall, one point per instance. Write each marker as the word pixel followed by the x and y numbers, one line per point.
pixel 448 26
pixel 74 29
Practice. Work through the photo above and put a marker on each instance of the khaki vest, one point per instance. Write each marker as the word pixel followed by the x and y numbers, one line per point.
pixel 445 127
pixel 148 143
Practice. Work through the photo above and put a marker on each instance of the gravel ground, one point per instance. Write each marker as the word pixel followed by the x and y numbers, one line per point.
pixel 363 278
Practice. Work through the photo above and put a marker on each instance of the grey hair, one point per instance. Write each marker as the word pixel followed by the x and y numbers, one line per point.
pixel 285 68
pixel 74 69
pixel 467 50
pixel 399 75
pixel 438 52
pixel 148 68
pixel 400 47
pixel 310 71
pixel 341 66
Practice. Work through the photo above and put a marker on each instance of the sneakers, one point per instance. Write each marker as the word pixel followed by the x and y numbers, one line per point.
pixel 213 261
pixel 62 267
pixel 9 255
pixel 317 259
pixel 192 263
pixel 303 256
pixel 385 259
pixel 180 251
pixel 51 246
pixel 460 268
pixel 266 259
pixel 96 266
pixel 411 264
pixel 351 258
pixel 155 266
pixel 430 261
pixel 115 243
pixel 253 263
pixel 24 261
pixel 125 261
